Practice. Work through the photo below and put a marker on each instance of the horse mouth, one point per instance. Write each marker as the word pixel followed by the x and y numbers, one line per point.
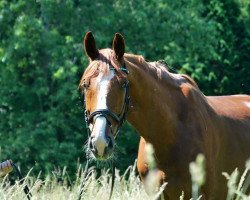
pixel 108 155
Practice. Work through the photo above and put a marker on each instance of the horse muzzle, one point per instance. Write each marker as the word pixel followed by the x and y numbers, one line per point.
pixel 101 142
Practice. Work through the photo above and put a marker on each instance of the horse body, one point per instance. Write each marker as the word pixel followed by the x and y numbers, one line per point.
pixel 170 112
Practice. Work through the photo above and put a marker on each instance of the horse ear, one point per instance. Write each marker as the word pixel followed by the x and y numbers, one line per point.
pixel 90 46
pixel 118 45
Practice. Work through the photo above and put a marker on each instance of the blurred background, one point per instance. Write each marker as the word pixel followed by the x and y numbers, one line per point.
pixel 42 60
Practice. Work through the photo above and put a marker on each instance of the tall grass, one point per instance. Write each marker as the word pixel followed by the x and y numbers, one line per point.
pixel 57 186
pixel 127 186
pixel 237 184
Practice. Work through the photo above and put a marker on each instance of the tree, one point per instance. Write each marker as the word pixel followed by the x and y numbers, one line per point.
pixel 228 72
pixel 42 60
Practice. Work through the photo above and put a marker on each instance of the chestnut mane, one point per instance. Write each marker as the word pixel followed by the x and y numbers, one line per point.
pixel 106 59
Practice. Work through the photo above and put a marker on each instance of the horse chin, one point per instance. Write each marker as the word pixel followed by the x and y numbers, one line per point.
pixel 108 156
pixel 102 158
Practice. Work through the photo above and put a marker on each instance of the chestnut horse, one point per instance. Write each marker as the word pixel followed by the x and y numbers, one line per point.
pixel 170 112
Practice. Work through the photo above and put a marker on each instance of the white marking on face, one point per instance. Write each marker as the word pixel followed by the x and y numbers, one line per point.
pixel 247 104
pixel 100 140
pixel 103 90
pixel 100 124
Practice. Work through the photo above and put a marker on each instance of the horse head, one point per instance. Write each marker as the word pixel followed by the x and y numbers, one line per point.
pixel 105 88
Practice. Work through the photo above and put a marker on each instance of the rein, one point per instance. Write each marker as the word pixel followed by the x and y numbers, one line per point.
pixel 107 113
pixel 120 119
pixel 21 179
pixel 20 176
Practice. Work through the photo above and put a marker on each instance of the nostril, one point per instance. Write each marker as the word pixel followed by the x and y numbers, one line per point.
pixel 91 145
pixel 110 143
pixel 94 151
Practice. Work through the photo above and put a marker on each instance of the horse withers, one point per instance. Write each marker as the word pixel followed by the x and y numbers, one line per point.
pixel 168 111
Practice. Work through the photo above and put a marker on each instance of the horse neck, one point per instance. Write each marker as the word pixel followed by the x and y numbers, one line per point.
pixel 153 105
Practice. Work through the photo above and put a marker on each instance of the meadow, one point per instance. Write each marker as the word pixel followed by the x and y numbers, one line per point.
pixel 57 185
pixel 61 188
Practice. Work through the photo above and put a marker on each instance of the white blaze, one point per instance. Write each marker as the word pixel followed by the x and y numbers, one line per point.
pixel 103 90
pixel 99 140
pixel 100 123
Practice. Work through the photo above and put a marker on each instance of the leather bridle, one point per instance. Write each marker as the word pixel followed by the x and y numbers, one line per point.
pixel 120 118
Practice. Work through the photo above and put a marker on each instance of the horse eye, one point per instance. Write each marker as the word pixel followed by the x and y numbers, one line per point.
pixel 85 85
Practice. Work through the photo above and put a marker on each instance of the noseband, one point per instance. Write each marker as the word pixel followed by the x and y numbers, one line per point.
pixel 120 118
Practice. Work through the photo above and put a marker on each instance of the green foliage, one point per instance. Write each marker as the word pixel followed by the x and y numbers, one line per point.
pixel 231 65
pixel 41 62
pixel 41 120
